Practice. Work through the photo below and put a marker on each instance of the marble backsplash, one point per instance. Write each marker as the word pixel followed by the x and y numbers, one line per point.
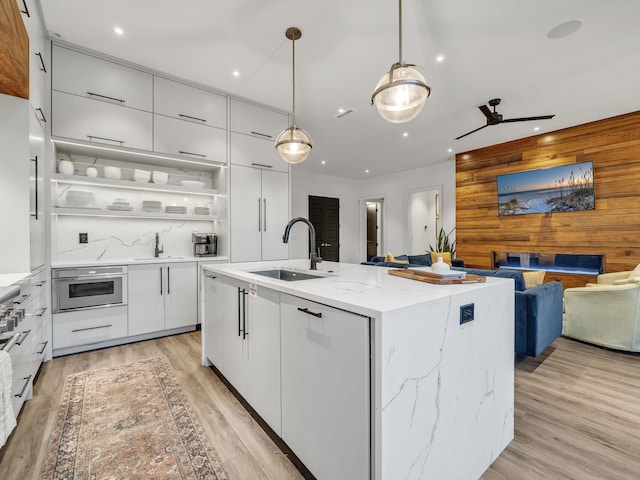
pixel 113 238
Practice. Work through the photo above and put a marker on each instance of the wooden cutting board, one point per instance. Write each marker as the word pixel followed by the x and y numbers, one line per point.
pixel 437 281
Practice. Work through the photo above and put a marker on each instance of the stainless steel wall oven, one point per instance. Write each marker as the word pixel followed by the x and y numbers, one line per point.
pixel 89 287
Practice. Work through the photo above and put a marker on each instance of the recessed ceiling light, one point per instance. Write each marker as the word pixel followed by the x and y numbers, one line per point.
pixel 535 129
pixel 236 73
pixel 405 134
pixel 450 150
pixel 565 29
pixel 440 58
pixel 366 171
pixel 118 30
pixel 323 162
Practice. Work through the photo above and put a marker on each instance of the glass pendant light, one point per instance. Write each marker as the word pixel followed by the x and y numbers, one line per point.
pixel 293 144
pixel 402 92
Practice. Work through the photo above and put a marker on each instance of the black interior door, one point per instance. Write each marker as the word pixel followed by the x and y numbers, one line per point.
pixel 324 214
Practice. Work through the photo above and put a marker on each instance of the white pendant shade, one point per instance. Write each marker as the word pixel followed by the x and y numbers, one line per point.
pixel 294 145
pixel 401 94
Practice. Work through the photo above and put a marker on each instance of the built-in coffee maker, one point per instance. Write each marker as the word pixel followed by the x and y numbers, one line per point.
pixel 205 244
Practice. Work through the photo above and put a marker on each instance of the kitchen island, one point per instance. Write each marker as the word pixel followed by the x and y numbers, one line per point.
pixel 366 375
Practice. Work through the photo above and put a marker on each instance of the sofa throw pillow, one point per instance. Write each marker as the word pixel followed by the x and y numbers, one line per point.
pixel 446 257
pixel 533 279
pixel 390 258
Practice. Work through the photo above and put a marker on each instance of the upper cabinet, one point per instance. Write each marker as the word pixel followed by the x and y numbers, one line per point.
pixel 257 121
pixel 177 100
pixel 91 77
pixel 85 119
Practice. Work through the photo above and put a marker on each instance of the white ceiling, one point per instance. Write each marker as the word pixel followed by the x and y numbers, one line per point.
pixel 492 48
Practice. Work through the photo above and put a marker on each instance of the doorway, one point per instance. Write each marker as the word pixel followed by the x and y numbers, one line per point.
pixel 324 214
pixel 374 240
pixel 423 219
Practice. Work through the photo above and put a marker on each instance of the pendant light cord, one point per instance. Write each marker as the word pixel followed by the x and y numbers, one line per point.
pixel 400 32
pixel 293 75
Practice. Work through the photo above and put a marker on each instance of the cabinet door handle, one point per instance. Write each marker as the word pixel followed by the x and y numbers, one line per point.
pixel 265 135
pixel 309 312
pixel 41 312
pixel 263 165
pixel 161 287
pixel 90 328
pixel 91 137
pixel 26 9
pixel 244 314
pixel 168 280
pixel 192 118
pixel 42 117
pixel 40 284
pixel 35 192
pixel 208 275
pixel 182 152
pixel 44 346
pixel 42 68
pixel 21 299
pixel 92 94
pixel 20 341
pixel 259 217
pixel 239 311
pixel 24 387
pixel 265 215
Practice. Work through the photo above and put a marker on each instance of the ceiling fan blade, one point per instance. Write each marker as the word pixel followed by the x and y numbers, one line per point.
pixel 487 112
pixel 526 119
pixel 469 133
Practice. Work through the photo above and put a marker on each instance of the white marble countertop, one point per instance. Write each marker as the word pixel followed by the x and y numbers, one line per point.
pixel 363 289
pixel 135 261
pixel 7 279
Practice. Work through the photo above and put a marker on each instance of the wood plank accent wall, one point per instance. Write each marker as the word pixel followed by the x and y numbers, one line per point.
pixel 612 229
pixel 14 51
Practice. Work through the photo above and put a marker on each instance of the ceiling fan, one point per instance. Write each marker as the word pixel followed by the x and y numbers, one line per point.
pixel 494 118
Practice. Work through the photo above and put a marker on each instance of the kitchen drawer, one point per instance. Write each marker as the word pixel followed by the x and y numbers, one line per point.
pixel 257 121
pixel 92 77
pixel 256 152
pixel 88 120
pixel 22 376
pixel 188 139
pixel 184 102
pixel 86 327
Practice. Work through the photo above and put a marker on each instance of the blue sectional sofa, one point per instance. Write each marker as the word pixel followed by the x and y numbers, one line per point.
pixel 538 314
pixel 414 261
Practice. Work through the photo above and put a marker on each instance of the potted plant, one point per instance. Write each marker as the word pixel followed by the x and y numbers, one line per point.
pixel 444 243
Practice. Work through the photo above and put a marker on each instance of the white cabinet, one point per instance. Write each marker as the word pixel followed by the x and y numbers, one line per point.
pixel 37 168
pixel 91 77
pixel 39 64
pixel 14 183
pixel 255 152
pixel 259 214
pixel 77 330
pixel 248 329
pixel 213 320
pixel 258 121
pixel 326 388
pixel 178 100
pixel 101 122
pixel 162 296
pixel 188 139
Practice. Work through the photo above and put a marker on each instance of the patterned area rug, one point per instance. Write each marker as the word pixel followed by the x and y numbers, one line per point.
pixel 128 422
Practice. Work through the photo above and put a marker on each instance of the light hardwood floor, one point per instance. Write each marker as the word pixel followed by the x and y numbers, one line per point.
pixel 577 414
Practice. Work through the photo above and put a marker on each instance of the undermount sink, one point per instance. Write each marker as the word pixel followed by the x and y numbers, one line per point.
pixel 157 258
pixel 287 275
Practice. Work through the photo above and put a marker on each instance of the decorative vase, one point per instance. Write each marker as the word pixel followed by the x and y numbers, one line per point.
pixel 440 266
pixel 66 167
pixel 92 172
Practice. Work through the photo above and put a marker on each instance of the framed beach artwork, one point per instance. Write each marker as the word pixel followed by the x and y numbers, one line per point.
pixel 567 188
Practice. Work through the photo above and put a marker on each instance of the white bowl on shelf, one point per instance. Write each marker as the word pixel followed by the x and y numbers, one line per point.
pixel 161 178
pixel 192 183
pixel 142 176
pixel 113 173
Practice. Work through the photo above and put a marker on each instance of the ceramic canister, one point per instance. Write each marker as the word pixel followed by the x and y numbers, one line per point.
pixel 65 167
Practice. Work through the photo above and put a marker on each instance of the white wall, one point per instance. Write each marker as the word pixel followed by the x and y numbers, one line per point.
pixel 304 184
pixel 394 189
